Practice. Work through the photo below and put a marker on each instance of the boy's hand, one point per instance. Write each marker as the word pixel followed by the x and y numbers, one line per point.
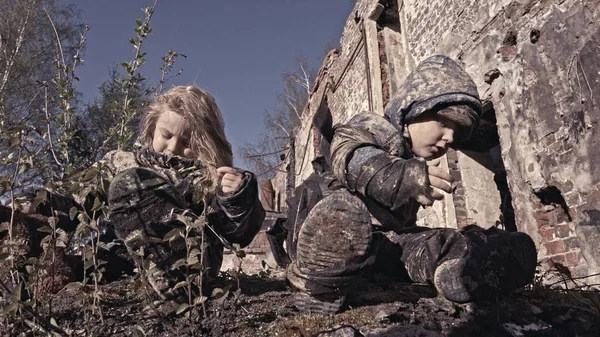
pixel 230 178
pixel 438 179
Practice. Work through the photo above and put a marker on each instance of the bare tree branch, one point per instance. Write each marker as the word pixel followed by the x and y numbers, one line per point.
pixel 276 168
pixel 11 61
pixel 281 122
pixel 58 43
pixel 49 134
pixel 293 107
pixel 250 155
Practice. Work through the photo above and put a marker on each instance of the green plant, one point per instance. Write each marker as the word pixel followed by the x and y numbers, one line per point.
pixel 51 143
pixel 167 65
pixel 122 132
pixel 64 85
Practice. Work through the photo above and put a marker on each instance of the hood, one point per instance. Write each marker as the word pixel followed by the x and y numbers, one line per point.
pixel 438 81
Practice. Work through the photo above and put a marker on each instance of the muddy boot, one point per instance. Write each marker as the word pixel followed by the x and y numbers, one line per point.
pixel 142 205
pixel 334 244
pixel 497 262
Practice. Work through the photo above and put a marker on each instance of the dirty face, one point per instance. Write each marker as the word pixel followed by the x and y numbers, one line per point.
pixel 431 135
pixel 172 135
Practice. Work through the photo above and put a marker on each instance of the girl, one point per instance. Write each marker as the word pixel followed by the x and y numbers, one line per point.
pixel 181 165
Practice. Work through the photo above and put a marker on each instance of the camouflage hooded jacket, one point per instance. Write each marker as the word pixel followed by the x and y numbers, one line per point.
pixel 233 218
pixel 372 158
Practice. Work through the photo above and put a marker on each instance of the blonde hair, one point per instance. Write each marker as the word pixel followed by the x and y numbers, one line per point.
pixel 199 108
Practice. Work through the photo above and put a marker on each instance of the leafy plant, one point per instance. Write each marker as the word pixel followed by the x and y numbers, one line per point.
pixel 55 143
pixel 122 132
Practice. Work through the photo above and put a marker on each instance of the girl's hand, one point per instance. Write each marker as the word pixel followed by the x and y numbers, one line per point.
pixel 231 179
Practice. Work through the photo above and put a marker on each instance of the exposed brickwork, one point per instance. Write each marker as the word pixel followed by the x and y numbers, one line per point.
pixel 260 244
pixel 316 141
pixel 349 92
pixel 571 243
pixel 572 258
pixel 428 21
pixel 385 80
pixel 460 206
pixel 558 240
pixel 563 231
pixel 555 247
pixel 547 234
pixel 258 257
pixel 351 95
pixel 545 94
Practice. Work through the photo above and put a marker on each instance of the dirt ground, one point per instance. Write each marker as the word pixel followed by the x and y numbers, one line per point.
pixel 263 306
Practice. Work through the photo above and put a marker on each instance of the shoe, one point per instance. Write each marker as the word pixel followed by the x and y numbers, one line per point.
pixel 519 259
pixel 497 262
pixel 328 304
pixel 141 202
pixel 454 282
pixel 142 205
pixel 334 245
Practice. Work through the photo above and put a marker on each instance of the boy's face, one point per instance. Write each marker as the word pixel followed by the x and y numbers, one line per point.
pixel 172 135
pixel 431 135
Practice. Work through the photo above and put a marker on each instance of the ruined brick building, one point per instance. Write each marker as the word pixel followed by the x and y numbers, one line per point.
pixel 534 165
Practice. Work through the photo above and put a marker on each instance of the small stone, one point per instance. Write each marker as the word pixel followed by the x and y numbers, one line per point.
pixel 536 310
pixel 491 75
pixel 531 329
pixel 534 36
pixel 341 332
pixel 432 325
pixel 548 208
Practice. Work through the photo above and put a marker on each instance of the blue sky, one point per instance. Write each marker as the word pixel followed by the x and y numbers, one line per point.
pixel 236 49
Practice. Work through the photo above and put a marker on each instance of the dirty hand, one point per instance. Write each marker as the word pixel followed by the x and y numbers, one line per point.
pixel 438 180
pixel 230 179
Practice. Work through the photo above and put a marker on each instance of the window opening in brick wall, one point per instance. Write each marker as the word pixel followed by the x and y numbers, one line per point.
pixel 390 14
pixel 551 195
pixel 486 141
pixel 389 20
pixel 500 178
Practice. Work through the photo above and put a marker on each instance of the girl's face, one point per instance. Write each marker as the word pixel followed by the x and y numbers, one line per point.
pixel 431 135
pixel 172 135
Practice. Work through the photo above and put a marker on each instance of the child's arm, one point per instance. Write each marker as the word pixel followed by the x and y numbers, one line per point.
pixel 366 158
pixel 389 180
pixel 238 215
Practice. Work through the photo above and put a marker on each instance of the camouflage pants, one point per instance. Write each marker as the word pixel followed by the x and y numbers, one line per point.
pixel 144 208
pixel 337 242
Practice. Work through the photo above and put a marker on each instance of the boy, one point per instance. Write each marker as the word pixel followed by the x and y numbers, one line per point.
pixel 380 161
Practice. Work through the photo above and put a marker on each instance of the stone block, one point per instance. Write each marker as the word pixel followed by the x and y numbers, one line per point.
pixel 555 247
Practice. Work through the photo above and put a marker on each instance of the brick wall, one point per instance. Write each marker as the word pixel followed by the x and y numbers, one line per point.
pixel 462 216
pixel 543 52
pixel 536 64
pixel 559 243
pixel 258 257
pixel 428 21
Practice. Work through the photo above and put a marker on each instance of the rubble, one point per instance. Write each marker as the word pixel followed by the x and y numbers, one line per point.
pixel 262 306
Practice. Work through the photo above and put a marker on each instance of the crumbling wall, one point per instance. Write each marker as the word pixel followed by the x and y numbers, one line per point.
pixel 536 64
pixel 348 92
pixel 546 53
pixel 541 61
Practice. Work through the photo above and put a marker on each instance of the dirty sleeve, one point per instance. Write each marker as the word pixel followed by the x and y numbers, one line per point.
pixel 367 156
pixel 238 216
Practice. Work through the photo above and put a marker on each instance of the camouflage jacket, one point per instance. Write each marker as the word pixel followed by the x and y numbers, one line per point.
pixel 233 218
pixel 371 156
pixel 372 159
